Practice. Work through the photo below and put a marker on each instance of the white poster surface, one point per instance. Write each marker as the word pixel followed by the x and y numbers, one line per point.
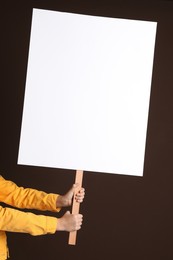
pixel 87 93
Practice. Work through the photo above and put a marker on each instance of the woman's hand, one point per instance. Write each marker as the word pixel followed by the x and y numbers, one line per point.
pixel 66 200
pixel 69 222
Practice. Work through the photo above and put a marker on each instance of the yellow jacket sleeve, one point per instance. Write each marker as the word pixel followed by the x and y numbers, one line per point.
pixel 21 197
pixel 17 221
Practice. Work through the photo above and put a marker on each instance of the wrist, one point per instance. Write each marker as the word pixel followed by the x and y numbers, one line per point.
pixel 62 201
pixel 60 226
pixel 58 201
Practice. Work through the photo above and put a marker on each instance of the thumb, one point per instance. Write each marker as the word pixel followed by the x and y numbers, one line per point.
pixel 73 188
pixel 76 185
pixel 67 213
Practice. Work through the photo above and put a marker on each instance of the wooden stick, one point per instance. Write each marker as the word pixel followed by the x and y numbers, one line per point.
pixel 75 206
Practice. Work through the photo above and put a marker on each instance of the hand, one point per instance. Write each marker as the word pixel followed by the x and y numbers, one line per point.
pixel 69 222
pixel 66 200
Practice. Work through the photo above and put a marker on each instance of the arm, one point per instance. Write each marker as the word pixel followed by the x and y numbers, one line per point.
pixel 26 198
pixel 21 197
pixel 17 221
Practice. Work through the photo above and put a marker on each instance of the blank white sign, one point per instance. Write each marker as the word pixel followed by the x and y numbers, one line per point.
pixel 87 93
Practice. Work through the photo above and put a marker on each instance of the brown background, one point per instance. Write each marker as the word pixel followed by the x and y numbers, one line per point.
pixel 124 217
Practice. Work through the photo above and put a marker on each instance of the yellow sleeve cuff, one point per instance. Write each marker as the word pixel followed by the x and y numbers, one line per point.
pixel 51 225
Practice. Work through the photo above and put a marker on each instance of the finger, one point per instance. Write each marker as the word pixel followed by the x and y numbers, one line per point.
pixel 78 227
pixel 79 195
pixel 80 216
pixel 79 200
pixel 81 192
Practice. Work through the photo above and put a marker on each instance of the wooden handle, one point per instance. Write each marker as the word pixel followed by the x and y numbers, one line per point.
pixel 75 206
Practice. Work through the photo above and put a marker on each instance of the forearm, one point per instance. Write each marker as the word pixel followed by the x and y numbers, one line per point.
pixel 16 221
pixel 32 199
pixel 26 198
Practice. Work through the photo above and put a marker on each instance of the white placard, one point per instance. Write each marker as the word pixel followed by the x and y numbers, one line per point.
pixel 87 93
